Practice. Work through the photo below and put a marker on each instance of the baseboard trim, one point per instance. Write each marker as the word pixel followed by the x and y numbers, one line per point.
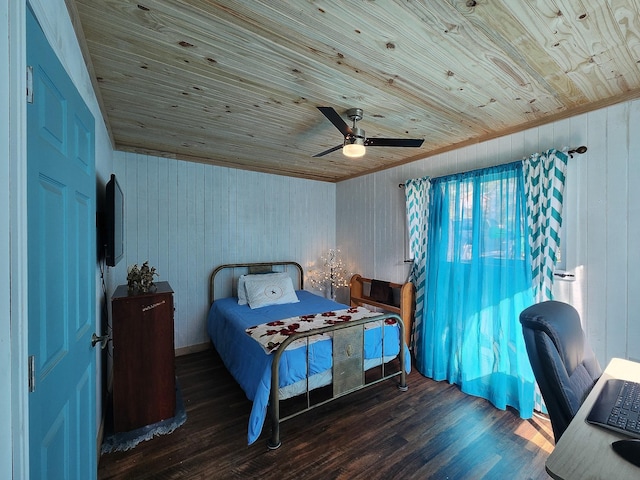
pixel 192 349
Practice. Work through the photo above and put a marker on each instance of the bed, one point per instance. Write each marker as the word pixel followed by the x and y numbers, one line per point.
pixel 327 350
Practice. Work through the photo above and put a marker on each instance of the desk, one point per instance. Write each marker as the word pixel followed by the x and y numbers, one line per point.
pixel 584 451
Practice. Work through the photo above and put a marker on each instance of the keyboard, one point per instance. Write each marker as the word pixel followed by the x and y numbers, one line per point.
pixel 618 407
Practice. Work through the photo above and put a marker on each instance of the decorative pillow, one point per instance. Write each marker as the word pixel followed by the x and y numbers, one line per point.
pixel 381 292
pixel 264 290
pixel 242 293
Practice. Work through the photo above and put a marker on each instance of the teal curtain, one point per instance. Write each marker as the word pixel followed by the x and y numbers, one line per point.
pixel 417 205
pixel 478 280
pixel 544 177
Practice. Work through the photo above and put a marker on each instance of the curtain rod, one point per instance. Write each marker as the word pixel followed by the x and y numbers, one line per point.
pixel 581 149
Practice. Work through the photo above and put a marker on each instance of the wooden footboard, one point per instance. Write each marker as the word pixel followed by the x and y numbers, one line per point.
pixel 348 373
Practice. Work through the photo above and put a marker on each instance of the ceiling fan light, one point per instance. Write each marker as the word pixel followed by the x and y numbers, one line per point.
pixel 354 144
pixel 353 150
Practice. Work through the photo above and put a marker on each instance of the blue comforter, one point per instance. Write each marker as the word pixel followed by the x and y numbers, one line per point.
pixel 251 366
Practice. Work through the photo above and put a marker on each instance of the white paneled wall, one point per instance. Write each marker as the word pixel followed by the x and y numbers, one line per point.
pixel 187 218
pixel 602 217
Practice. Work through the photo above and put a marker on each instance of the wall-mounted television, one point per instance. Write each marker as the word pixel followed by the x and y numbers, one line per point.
pixel 114 222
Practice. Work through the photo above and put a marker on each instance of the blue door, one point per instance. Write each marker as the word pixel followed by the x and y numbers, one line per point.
pixel 61 224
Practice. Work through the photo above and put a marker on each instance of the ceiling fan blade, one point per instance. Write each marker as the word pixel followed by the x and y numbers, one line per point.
pixel 336 119
pixel 393 142
pixel 332 149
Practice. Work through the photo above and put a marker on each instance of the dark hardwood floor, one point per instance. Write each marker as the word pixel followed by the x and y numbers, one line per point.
pixel 431 431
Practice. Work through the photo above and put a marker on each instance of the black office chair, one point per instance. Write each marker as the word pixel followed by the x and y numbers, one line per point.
pixel 562 361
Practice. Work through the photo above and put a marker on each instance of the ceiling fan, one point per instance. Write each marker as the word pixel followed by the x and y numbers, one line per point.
pixel 355 140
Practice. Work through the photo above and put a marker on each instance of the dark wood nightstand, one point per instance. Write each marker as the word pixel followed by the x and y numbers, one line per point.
pixel 143 357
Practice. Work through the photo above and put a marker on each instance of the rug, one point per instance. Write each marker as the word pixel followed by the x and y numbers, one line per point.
pixel 122 441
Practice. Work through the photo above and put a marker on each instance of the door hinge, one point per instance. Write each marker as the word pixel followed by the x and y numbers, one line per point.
pixel 29 84
pixel 32 373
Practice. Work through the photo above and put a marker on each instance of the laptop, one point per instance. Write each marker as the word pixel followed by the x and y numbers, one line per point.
pixel 618 407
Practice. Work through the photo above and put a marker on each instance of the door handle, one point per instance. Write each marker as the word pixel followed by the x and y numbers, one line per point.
pixel 104 339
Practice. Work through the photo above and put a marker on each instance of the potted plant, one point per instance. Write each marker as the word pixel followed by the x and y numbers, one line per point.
pixel 140 279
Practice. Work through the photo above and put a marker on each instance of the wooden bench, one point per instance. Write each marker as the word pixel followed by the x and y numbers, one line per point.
pixel 405 308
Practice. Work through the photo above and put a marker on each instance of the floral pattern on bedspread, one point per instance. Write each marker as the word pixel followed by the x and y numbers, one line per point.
pixel 270 335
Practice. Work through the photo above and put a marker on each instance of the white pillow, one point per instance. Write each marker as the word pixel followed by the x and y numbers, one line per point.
pixel 262 291
pixel 242 293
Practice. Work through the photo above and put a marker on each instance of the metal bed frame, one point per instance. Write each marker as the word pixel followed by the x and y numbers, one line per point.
pixel 348 371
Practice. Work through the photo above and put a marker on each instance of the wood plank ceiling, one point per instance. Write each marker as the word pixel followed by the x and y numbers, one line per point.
pixel 237 83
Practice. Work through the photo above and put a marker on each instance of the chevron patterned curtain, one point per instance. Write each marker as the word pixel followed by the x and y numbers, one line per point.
pixel 544 177
pixel 417 205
